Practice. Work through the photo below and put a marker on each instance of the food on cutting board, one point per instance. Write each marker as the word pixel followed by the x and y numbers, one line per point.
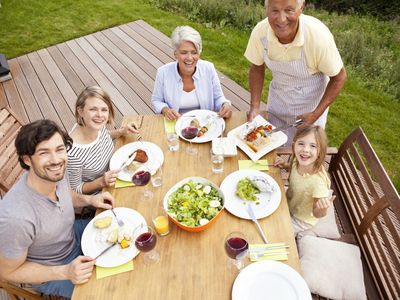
pixel 258 137
pixel 102 222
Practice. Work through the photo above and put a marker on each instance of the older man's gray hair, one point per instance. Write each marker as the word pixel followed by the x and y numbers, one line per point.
pixel 299 3
pixel 186 34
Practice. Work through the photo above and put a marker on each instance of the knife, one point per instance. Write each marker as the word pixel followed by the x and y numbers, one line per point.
pixel 129 161
pixel 281 128
pixel 105 250
pixel 253 217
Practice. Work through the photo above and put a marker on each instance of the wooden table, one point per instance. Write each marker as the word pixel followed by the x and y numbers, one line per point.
pixel 192 265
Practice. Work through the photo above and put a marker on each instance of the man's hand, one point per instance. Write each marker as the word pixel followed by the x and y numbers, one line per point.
pixel 170 114
pixel 225 111
pixel 103 200
pixel 308 118
pixel 252 114
pixel 80 269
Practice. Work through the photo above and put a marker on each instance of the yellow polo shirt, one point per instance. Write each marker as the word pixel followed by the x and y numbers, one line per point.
pixel 320 50
pixel 301 193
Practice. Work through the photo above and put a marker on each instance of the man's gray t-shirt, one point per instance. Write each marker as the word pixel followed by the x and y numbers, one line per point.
pixel 30 221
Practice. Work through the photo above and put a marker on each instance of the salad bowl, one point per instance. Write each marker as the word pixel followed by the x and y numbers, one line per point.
pixel 194 203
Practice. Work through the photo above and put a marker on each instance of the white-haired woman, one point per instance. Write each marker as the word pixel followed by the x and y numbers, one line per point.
pixel 189 82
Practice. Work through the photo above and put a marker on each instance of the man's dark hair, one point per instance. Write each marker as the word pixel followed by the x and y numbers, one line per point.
pixel 34 133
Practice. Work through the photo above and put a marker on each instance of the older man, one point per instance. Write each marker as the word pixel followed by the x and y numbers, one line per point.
pixel 40 238
pixel 307 70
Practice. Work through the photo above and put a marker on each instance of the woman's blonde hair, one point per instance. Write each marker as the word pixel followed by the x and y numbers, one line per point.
pixel 96 92
pixel 322 145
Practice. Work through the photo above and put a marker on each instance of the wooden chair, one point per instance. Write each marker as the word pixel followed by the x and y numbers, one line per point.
pixel 10 169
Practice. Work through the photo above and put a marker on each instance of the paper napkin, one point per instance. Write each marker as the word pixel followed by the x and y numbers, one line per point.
pixel 169 125
pixel 261 165
pixel 121 184
pixel 276 251
pixel 102 272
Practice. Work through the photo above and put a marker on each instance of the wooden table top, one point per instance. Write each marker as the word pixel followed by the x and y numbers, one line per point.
pixel 192 265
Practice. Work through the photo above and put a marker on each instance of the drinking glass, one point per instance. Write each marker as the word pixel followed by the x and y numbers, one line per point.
pixel 236 247
pixel 173 141
pixel 145 241
pixel 142 178
pixel 157 177
pixel 190 133
pixel 217 161
pixel 160 220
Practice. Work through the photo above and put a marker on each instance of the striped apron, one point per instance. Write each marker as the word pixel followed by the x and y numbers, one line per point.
pixel 293 91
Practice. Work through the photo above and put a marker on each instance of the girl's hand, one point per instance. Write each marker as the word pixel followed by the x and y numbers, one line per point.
pixel 321 206
pixel 170 114
pixel 279 162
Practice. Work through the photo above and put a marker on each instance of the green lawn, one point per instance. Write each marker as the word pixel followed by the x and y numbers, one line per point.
pixel 30 25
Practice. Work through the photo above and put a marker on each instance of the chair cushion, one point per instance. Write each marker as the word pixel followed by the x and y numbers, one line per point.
pixel 326 227
pixel 332 269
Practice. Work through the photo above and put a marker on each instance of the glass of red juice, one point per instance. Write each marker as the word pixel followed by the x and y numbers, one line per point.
pixel 145 240
pixel 236 247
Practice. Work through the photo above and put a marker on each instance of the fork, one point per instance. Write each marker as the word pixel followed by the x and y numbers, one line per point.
pixel 119 221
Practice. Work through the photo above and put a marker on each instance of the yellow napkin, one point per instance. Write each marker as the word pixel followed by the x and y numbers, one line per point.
pixel 169 125
pixel 265 251
pixel 120 183
pixel 261 165
pixel 102 272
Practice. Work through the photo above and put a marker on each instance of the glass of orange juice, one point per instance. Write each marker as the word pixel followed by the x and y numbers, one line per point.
pixel 160 220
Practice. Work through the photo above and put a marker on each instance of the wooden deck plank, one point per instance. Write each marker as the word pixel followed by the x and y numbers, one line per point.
pixel 38 91
pixel 57 101
pixel 66 69
pixel 123 60
pixel 30 105
pixel 60 81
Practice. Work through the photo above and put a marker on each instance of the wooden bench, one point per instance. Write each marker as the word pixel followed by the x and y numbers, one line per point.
pixel 367 209
pixel 10 169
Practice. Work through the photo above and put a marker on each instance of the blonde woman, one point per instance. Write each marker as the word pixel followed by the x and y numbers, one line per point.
pixel 89 157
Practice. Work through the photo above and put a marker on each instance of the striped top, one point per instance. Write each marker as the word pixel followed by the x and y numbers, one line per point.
pixel 89 161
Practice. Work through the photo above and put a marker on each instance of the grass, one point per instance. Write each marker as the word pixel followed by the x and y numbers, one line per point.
pixel 31 25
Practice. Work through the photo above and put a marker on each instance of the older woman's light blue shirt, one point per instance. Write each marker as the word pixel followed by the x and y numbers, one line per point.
pixel 168 87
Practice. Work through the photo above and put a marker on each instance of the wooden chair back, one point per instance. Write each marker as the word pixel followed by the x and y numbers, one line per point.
pixel 372 205
pixel 10 169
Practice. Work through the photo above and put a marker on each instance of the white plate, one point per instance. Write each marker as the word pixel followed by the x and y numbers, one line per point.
pixel 214 131
pixel 277 139
pixel 270 280
pixel 268 201
pixel 155 154
pixel 93 239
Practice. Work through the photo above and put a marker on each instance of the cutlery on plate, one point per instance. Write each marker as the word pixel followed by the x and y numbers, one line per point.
pixel 254 219
pixel 281 128
pixel 105 250
pixel 129 160
pixel 119 221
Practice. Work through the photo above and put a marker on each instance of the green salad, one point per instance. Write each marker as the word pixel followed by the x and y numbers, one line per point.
pixel 246 190
pixel 194 204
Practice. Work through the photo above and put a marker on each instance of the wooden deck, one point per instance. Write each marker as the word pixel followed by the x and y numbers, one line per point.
pixel 123 60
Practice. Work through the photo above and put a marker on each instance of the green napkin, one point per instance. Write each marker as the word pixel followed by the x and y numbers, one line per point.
pixel 261 165
pixel 275 251
pixel 169 125
pixel 121 184
pixel 102 272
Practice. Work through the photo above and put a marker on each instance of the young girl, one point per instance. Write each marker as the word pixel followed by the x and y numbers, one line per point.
pixel 308 191
pixel 89 157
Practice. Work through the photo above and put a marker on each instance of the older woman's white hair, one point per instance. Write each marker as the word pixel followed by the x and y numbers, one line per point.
pixel 186 34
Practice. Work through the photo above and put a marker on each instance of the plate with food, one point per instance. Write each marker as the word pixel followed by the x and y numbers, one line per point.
pixel 135 156
pixel 270 279
pixel 251 187
pixel 103 231
pixel 255 139
pixel 199 126
pixel 194 203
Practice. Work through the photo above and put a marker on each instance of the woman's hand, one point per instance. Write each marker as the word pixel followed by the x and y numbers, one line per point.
pixel 225 111
pixel 109 178
pixel 128 129
pixel 170 114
